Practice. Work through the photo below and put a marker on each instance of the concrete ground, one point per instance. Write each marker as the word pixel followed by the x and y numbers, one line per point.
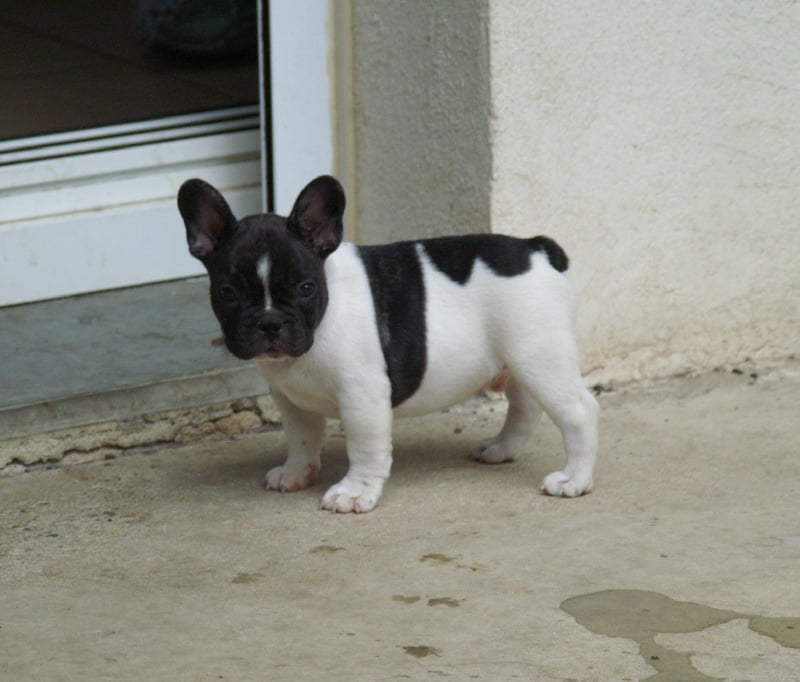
pixel 174 564
pixel 114 355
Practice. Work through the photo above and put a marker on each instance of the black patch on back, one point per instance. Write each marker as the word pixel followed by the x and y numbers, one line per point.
pixel 505 256
pixel 398 292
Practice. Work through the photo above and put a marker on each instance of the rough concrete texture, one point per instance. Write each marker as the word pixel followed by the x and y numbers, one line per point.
pixel 175 564
pixel 107 439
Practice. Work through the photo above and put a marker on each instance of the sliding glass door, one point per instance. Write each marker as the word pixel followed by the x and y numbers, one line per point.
pixel 111 106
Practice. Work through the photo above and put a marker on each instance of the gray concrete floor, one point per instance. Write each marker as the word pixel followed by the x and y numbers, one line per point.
pixel 99 342
pixel 113 355
pixel 684 563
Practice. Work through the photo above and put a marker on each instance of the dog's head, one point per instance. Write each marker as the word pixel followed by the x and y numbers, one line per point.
pixel 268 286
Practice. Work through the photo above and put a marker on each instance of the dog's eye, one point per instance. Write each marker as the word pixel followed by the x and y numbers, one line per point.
pixel 227 293
pixel 306 289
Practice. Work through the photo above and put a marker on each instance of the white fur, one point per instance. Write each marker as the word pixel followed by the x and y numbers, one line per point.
pixel 474 331
pixel 262 270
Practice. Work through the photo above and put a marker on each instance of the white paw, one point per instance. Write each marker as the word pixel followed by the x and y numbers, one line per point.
pixel 353 495
pixel 561 484
pixel 493 452
pixel 288 479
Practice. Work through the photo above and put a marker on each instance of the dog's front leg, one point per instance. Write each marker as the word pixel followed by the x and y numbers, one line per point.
pixel 368 428
pixel 305 432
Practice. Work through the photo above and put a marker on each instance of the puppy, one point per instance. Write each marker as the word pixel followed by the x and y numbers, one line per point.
pixel 367 333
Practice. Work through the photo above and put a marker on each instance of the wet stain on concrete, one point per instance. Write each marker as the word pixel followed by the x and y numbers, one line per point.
pixel 444 601
pixel 464 534
pixel 437 558
pixel 784 631
pixel 444 559
pixel 421 651
pixel 325 549
pixel 475 568
pixel 413 599
pixel 641 615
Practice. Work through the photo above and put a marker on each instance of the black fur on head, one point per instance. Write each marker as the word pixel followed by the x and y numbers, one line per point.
pixel 268 287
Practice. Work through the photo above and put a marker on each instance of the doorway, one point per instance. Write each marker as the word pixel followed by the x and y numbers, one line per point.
pixel 106 121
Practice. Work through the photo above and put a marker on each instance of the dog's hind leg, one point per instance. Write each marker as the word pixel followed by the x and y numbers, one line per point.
pixel 523 414
pixel 554 380
pixel 559 389
pixel 577 419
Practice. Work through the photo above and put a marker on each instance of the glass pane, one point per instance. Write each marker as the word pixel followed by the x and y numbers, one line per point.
pixel 71 64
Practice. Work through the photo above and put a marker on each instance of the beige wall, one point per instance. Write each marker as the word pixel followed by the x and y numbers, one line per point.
pixel 658 142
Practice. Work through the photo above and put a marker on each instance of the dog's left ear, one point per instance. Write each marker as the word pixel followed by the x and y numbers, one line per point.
pixel 316 217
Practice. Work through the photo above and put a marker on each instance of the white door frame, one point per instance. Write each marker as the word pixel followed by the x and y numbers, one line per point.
pixel 95 209
pixel 302 99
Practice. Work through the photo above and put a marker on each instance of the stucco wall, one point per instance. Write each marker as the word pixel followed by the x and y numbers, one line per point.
pixel 420 80
pixel 660 143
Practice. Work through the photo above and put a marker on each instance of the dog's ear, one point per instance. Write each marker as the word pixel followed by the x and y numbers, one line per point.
pixel 207 216
pixel 316 217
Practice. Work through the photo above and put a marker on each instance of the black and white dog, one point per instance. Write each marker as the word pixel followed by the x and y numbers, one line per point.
pixel 366 333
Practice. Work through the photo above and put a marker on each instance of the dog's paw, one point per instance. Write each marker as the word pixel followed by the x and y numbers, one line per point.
pixel 561 484
pixel 288 479
pixel 494 452
pixel 353 495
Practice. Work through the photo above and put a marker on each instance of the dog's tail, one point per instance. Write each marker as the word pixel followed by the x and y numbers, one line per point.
pixel 555 254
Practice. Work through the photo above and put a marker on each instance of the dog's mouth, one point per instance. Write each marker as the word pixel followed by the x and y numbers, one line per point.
pixel 276 339
pixel 273 355
pixel 262 349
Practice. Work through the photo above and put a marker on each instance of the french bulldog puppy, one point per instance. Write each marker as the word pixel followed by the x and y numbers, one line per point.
pixel 367 333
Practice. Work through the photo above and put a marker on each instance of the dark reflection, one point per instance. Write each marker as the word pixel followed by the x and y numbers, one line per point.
pixel 72 64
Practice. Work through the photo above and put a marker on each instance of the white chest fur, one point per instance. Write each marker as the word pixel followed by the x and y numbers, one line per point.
pixel 346 353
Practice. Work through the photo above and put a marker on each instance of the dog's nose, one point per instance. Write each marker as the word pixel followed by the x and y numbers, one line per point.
pixel 270 325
